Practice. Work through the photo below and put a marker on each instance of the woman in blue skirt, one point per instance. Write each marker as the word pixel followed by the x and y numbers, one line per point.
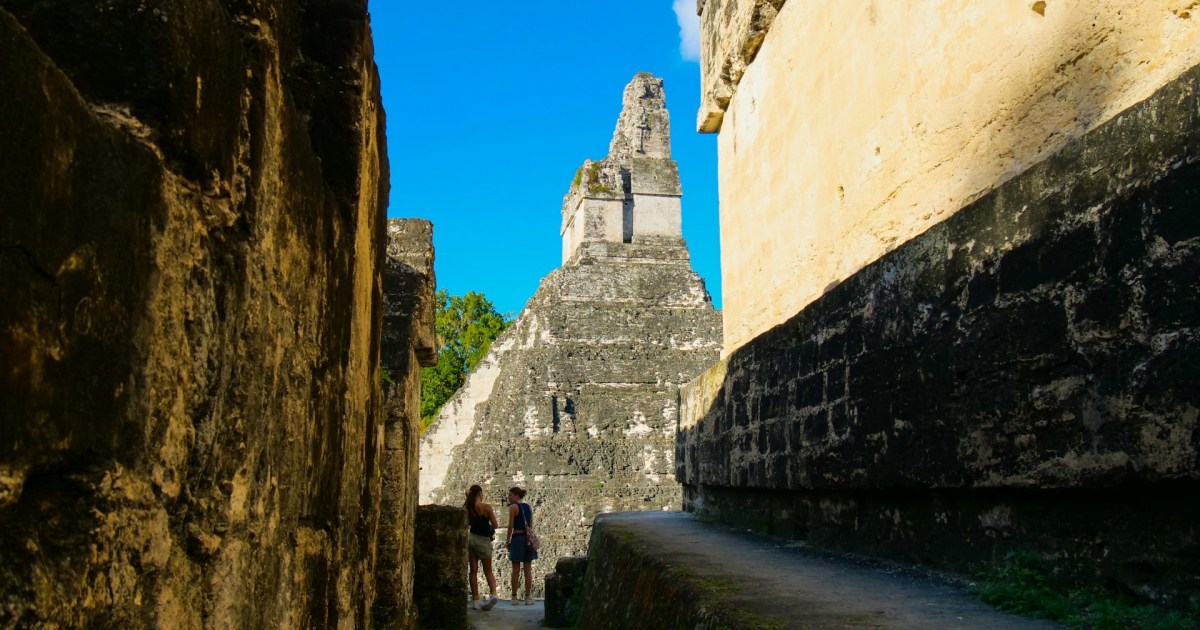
pixel 520 517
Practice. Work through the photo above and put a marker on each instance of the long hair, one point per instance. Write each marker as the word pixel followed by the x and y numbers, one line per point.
pixel 473 493
pixel 517 491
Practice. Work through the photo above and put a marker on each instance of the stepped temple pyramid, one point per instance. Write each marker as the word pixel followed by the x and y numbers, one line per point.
pixel 578 400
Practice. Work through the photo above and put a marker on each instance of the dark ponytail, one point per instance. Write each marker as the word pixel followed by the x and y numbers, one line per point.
pixel 472 494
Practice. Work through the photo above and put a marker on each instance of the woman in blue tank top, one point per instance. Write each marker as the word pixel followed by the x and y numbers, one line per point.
pixel 520 516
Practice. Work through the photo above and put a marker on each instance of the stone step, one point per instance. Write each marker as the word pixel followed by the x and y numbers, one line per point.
pixel 670 570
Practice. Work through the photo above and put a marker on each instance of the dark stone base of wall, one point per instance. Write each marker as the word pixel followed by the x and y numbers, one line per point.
pixel 564 591
pixel 1141 540
pixel 440 560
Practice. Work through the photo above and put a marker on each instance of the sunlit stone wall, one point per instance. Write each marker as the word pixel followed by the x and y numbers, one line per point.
pixel 859 125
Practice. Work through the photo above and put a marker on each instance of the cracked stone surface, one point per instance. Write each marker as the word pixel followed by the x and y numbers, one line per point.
pixel 191 248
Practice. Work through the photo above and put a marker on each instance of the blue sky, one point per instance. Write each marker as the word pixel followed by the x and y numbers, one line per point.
pixel 492 106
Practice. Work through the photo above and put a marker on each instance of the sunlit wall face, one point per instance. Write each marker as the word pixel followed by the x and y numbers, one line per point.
pixel 857 127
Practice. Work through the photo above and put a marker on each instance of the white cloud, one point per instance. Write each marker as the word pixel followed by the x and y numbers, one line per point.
pixel 689 29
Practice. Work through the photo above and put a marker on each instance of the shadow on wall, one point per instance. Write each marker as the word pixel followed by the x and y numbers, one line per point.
pixel 190 329
pixel 1019 377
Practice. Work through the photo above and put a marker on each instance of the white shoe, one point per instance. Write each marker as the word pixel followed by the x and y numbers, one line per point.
pixel 516 600
pixel 475 604
pixel 528 600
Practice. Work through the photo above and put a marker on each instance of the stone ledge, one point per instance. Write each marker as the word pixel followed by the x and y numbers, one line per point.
pixel 731 33
pixel 670 570
pixel 409 285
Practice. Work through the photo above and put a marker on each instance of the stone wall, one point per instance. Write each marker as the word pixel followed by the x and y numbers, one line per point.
pixel 191 241
pixel 1021 376
pixel 564 592
pixel 441 595
pixel 409 342
pixel 628 584
pixel 847 129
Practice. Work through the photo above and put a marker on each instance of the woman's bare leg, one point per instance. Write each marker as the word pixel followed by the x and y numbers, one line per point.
pixel 474 560
pixel 516 578
pixel 528 577
pixel 489 574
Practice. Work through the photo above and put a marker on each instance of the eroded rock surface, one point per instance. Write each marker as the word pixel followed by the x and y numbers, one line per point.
pixel 191 243
pixel 441 595
pixel 409 342
pixel 733 31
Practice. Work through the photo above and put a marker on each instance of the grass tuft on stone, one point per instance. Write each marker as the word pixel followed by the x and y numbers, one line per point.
pixel 755 621
pixel 1022 585
pixel 718 586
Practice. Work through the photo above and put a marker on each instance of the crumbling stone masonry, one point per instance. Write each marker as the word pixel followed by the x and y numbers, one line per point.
pixel 409 342
pixel 191 248
pixel 577 401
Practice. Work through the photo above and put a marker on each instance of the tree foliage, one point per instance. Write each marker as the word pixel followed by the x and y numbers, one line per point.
pixel 466 326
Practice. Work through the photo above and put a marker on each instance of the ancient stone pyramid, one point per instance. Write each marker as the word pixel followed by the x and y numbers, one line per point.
pixel 577 401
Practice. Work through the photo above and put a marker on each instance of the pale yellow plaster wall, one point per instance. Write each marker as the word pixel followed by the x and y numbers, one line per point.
pixel 862 123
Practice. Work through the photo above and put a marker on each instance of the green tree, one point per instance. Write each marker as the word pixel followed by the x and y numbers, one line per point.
pixel 466 326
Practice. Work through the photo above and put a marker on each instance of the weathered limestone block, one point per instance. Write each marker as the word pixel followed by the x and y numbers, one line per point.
pixel 409 285
pixel 577 401
pixel 564 592
pixel 732 32
pixel 409 342
pixel 644 125
pixel 632 195
pixel 627 584
pixel 441 562
pixel 859 126
pixel 191 231
pixel 1021 376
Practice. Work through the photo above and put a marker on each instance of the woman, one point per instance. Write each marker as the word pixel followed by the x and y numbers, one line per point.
pixel 482 521
pixel 520 516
